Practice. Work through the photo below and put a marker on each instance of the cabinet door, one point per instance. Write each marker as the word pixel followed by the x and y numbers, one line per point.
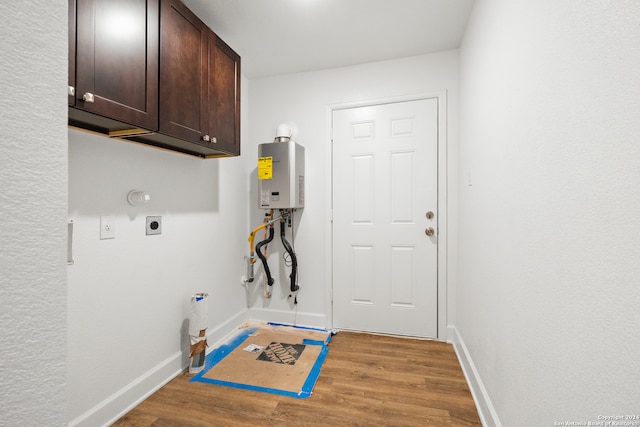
pixel 183 73
pixel 224 96
pixel 117 59
pixel 72 52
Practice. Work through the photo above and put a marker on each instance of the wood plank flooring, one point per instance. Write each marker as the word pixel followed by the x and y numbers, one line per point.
pixel 366 380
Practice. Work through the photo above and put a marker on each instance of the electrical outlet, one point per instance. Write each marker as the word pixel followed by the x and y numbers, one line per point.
pixel 107 228
pixel 154 225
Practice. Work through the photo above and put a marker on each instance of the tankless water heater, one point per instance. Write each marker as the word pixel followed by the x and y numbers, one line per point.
pixel 281 175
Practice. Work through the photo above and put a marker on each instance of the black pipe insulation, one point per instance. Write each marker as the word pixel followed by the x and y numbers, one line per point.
pixel 294 261
pixel 262 257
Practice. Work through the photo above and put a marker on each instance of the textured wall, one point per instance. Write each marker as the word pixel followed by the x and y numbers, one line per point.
pixel 548 254
pixel 33 212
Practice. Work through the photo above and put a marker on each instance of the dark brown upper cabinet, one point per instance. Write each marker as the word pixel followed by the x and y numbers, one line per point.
pixel 151 71
pixel 116 60
pixel 199 82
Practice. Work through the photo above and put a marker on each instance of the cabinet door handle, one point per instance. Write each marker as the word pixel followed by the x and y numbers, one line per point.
pixel 87 97
pixel 206 138
pixel 214 139
pixel 72 91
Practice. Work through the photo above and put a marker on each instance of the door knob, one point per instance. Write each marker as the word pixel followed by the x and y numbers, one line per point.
pixel 87 97
pixel 429 231
pixel 430 215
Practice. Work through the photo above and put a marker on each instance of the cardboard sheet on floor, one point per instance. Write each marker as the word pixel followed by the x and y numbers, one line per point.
pixel 270 358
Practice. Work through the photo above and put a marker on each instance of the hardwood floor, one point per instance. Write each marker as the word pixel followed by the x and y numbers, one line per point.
pixel 366 380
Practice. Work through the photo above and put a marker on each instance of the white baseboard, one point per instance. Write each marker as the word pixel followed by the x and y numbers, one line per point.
pixel 114 407
pixel 288 317
pixel 451 334
pixel 111 409
pixel 486 411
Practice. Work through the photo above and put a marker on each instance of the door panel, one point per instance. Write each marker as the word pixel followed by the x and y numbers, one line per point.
pixel 117 59
pixel 120 38
pixel 72 51
pixel 183 73
pixel 362 196
pixel 224 95
pixel 384 182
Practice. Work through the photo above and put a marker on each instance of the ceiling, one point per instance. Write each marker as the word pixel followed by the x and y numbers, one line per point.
pixel 287 36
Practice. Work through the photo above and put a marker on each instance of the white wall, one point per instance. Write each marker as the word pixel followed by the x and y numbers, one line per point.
pixel 549 246
pixel 129 297
pixel 303 100
pixel 33 209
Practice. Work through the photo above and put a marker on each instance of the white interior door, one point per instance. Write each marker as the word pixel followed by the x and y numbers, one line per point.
pixel 385 160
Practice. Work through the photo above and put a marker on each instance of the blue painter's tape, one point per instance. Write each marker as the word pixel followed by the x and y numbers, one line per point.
pixel 221 352
pixel 308 385
pixel 305 392
pixel 300 394
pixel 308 328
pixel 318 342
